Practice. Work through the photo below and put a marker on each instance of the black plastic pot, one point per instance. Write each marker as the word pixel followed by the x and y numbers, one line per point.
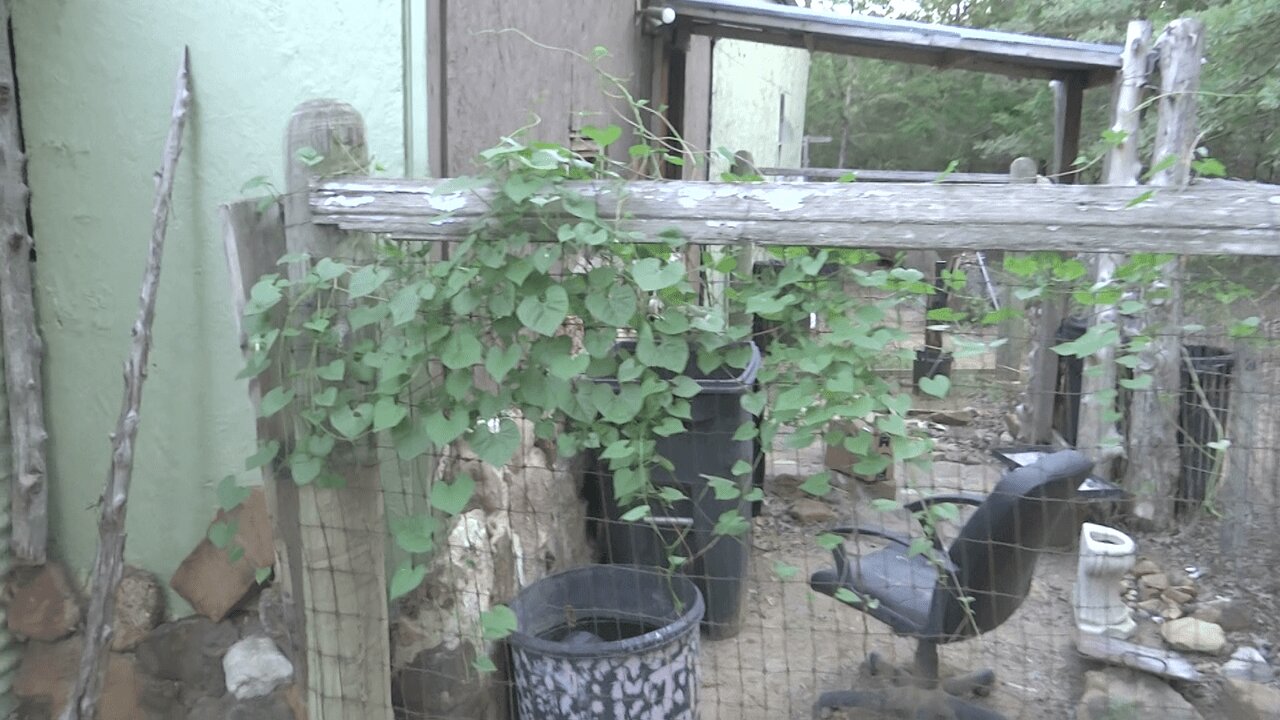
pixel 930 362
pixel 1196 426
pixel 607 642
pixel 718 562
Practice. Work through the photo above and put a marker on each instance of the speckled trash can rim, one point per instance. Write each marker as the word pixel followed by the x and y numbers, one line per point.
pixel 672 626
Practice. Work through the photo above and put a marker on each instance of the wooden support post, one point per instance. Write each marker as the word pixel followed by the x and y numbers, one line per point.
pixel 1154 463
pixel 1014 329
pixel 1097 432
pixel 342 529
pixel 1035 411
pixel 1068 108
pixel 1235 492
pixel 22 347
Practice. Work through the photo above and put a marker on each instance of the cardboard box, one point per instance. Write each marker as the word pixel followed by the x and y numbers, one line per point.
pixel 842 461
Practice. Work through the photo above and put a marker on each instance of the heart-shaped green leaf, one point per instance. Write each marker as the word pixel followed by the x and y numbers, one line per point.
pixel 230 494
pixel 351 422
pixel 451 499
pixel 495 446
pixel 222 533
pixel 461 349
pixel 411 439
pixel 387 413
pixel 501 360
pixel 406 579
pixel 265 454
pixel 937 386
pixel 414 533
pixel 367 280
pixel 304 468
pixel 614 307
pixel 443 430
pixel 332 372
pixel 497 622
pixel 544 313
pixel 261 574
pixel 275 401
pixel 818 485
pixel 652 275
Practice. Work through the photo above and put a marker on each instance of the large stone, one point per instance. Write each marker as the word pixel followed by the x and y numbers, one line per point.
pixel 139 608
pixel 1155 581
pixel 1194 635
pixel 272 707
pixel 525 521
pixel 48 673
pixel 1243 700
pixel 1247 663
pixel 44 606
pixel 1116 693
pixel 811 512
pixel 255 667
pixel 1145 566
pixel 188 652
pixel 209 580
pixel 1231 615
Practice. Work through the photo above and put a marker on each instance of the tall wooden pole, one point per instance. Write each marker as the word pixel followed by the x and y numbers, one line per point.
pixel 109 565
pixel 343 532
pixel 1155 465
pixel 22 347
pixel 1098 434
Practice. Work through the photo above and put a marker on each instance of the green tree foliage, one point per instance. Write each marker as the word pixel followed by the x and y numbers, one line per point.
pixel 892 115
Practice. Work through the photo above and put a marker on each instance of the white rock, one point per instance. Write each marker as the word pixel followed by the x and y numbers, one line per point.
pixel 1194 635
pixel 255 667
pixel 1247 663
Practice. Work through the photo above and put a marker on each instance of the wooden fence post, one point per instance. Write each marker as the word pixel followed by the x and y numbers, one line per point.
pixel 22 347
pixel 1097 434
pixel 343 531
pixel 1014 329
pixel 1035 412
pixel 1155 465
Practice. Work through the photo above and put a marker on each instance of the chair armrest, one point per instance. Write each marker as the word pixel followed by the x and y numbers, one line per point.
pixel 889 535
pixel 959 498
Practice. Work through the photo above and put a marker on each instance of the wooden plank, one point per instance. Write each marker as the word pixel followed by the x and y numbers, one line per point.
pixel 1077 218
pixel 906 41
pixel 1097 435
pixel 1154 466
pixel 889 176
pixel 21 343
pixel 509 65
pixel 1235 493
pixel 253 242
pixel 1068 142
pixel 1015 329
pixel 1165 663
pixel 343 529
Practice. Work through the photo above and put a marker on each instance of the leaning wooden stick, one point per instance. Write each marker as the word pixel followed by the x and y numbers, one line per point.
pixel 107 569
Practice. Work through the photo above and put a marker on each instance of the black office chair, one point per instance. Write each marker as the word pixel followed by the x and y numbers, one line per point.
pixel 964 591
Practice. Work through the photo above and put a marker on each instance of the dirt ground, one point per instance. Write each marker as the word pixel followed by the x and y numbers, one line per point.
pixel 795 644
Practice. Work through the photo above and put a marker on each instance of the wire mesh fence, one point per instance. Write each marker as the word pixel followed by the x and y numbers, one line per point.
pixel 1036 583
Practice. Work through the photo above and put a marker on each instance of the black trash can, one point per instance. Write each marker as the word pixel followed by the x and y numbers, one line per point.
pixel 706 447
pixel 1070 382
pixel 606 642
pixel 1196 415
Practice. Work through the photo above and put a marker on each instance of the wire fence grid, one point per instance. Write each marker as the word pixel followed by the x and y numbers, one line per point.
pixel 774 639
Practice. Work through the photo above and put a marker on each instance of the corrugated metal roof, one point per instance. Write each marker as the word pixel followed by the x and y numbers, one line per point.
pixel 940 45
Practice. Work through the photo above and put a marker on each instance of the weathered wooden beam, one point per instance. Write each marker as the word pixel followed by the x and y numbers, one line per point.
pixel 1209 220
pixel 21 344
pixel 889 176
pixel 1154 461
pixel 898 40
pixel 1096 433
pixel 343 530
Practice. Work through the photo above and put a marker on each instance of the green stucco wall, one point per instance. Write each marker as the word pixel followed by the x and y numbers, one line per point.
pixel 96 83
pixel 749 82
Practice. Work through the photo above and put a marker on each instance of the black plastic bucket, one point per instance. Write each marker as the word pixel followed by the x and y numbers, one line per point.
pixel 607 642
pixel 718 562
pixel 1196 426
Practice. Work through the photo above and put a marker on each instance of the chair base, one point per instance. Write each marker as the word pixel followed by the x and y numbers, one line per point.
pixel 906 702
pixel 920 694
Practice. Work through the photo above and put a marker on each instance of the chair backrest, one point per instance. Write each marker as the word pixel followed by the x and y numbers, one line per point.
pixel 995 554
